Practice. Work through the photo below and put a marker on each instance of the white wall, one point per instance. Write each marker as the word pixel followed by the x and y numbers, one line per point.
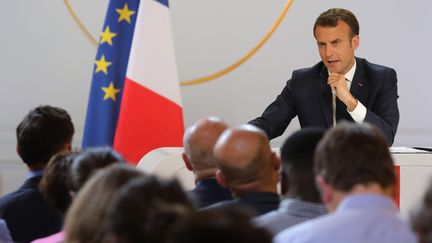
pixel 45 59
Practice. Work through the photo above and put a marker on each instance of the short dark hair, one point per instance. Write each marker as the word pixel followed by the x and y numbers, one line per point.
pixel 42 133
pixel 218 225
pixel 331 17
pixel 54 186
pixel 351 154
pixel 145 208
pixel 88 162
pixel 88 212
pixel 297 155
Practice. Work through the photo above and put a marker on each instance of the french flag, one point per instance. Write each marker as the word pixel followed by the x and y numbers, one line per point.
pixel 150 112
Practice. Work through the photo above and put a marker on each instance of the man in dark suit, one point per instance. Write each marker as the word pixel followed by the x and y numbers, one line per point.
pixel 198 142
pixel 43 132
pixel 248 168
pixel 340 87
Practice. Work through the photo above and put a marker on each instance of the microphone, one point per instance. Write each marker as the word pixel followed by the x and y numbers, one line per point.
pixel 334 106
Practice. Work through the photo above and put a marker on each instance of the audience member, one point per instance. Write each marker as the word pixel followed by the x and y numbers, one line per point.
pixel 144 210
pixel 53 185
pixel 198 143
pixel 421 217
pixel 302 200
pixel 218 225
pixel 83 166
pixel 4 232
pixel 355 174
pixel 43 132
pixel 248 168
pixel 88 211
pixel 87 163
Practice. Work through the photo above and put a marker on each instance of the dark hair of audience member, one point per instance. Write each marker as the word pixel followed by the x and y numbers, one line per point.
pixel 88 211
pixel 218 225
pixel 88 162
pixel 53 185
pixel 144 209
pixel 297 155
pixel 42 133
pixel 348 148
pixel 421 217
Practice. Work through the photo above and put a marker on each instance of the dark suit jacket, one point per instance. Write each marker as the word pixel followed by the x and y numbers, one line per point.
pixel 208 192
pixel 27 214
pixel 308 96
pixel 258 203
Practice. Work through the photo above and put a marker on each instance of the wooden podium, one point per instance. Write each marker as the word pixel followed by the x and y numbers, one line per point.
pixel 414 169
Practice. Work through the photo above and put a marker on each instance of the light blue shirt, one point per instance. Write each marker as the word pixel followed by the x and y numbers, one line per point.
pixel 360 218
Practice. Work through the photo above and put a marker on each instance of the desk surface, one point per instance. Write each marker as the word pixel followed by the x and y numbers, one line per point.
pixel 401 155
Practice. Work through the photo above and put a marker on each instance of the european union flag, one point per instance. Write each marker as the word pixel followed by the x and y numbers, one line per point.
pixel 109 73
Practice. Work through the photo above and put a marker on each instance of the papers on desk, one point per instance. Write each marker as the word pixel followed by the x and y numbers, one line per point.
pixel 410 150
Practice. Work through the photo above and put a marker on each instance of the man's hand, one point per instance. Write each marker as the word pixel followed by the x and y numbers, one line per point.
pixel 339 85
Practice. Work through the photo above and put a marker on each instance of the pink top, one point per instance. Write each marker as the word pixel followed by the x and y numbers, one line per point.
pixel 55 238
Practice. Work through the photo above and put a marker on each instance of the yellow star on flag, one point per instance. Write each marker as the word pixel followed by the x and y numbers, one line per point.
pixel 110 92
pixel 125 13
pixel 102 65
pixel 107 36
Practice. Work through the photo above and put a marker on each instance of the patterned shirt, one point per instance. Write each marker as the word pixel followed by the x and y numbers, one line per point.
pixel 290 212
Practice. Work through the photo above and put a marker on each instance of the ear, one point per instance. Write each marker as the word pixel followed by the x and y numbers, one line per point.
pixel 67 147
pixel 221 178
pixel 276 163
pixel 187 162
pixel 390 191
pixel 325 189
pixel 284 183
pixel 72 194
pixel 355 42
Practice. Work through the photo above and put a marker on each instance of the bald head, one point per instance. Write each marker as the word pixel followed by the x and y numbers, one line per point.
pixel 198 142
pixel 245 157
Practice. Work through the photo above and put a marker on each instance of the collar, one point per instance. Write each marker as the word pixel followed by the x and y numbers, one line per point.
pixel 209 181
pixel 34 173
pixel 307 208
pixel 349 76
pixel 259 196
pixel 366 202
